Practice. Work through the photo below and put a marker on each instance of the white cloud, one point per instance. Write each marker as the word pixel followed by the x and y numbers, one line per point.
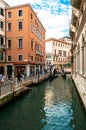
pixel 54 15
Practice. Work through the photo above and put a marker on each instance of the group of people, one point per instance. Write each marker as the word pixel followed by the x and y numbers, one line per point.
pixel 9 77
pixel 20 76
pixel 2 78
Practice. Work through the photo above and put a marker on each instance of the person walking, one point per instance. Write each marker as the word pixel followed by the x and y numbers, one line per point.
pixel 2 80
pixel 0 77
pixel 19 77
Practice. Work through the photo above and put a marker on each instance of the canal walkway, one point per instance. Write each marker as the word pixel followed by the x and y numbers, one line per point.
pixel 81 90
pixel 13 88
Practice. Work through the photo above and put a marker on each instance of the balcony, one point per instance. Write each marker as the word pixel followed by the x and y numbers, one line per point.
pixel 74 19
pixel 74 22
pixel 72 28
pixel 76 3
pixel 81 26
pixel 2 60
pixel 49 54
pixel 2 47
pixel 39 53
pixel 76 12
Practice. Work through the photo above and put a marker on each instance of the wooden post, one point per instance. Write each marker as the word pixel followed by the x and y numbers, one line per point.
pixel 13 89
pixel 0 90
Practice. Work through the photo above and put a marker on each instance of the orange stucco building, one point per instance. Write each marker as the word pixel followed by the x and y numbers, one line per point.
pixel 25 41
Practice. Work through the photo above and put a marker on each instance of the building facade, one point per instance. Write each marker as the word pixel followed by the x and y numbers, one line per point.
pixel 57 52
pixel 25 41
pixel 3 5
pixel 22 41
pixel 78 35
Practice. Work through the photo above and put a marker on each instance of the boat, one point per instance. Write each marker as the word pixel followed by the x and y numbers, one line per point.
pixel 64 74
pixel 53 74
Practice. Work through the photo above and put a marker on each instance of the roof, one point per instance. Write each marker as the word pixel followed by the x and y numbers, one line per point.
pixel 4 3
pixel 56 40
pixel 24 5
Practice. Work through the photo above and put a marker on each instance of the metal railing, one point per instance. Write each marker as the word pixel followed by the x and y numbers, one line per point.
pixel 11 85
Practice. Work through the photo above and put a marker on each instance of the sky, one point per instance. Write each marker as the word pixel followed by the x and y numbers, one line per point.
pixel 55 15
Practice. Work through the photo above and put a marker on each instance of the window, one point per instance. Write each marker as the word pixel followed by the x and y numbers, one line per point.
pixel 83 39
pixel 53 43
pixel 9 26
pixel 20 58
pixel 48 57
pixel 1 56
pixel 9 58
pixel 35 22
pixel 32 27
pixel 31 58
pixel 20 13
pixel 32 45
pixel 20 25
pixel 64 53
pixel 1 40
pixel 1 25
pixel 35 46
pixel 2 11
pixel 31 16
pixel 20 43
pixel 54 51
pixel 9 14
pixel 9 43
pixel 59 52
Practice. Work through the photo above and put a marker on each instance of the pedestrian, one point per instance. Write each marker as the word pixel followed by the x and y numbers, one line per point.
pixel 9 76
pixel 2 80
pixel 0 77
pixel 19 77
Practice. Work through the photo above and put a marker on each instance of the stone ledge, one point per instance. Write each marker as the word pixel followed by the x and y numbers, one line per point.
pixel 81 93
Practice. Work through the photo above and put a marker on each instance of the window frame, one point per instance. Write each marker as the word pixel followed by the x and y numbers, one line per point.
pixel 31 58
pixel 2 11
pixel 32 27
pixel 2 56
pixel 9 45
pixel 20 13
pixel 20 27
pixel 20 58
pixel 2 40
pixel 20 43
pixel 9 58
pixel 32 44
pixel 2 25
pixel 9 14
pixel 9 26
pixel 64 53
pixel 31 16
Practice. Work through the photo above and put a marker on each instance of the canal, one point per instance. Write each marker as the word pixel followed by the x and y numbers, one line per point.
pixel 51 105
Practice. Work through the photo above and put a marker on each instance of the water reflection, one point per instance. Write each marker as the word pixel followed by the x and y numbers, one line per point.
pixel 58 102
pixel 51 105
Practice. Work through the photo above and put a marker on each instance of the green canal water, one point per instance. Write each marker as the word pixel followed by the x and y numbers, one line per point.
pixel 51 105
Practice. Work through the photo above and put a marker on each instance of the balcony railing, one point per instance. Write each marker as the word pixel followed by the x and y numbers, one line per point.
pixel 2 60
pixel 2 47
pixel 39 53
